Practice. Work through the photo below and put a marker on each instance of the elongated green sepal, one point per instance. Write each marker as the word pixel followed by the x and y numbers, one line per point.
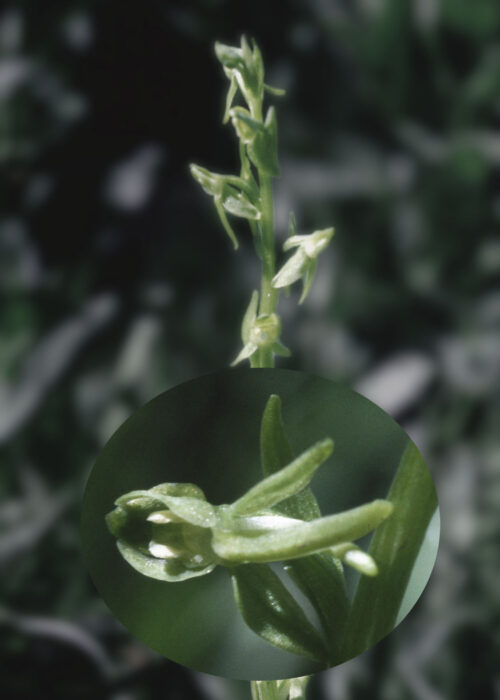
pixel 271 612
pixel 278 92
pixel 227 226
pixel 247 351
pixel 286 482
pixel 307 538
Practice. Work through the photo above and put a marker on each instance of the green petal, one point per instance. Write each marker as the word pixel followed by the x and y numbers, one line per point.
pixel 171 570
pixel 286 482
pixel 292 270
pixel 239 205
pixel 270 611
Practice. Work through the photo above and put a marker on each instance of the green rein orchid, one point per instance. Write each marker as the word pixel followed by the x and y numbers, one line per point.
pixel 172 533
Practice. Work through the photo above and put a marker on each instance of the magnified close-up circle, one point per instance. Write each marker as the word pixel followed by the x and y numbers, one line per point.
pixel 260 524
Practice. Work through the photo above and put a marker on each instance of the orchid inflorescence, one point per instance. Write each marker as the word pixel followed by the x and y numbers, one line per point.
pixel 249 196
pixel 172 533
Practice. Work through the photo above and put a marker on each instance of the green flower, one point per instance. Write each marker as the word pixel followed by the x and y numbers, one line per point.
pixel 302 264
pixel 260 332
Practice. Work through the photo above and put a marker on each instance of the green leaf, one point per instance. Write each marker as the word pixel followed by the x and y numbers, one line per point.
pixel 303 539
pixel 233 87
pixel 275 453
pixel 394 547
pixel 271 612
pixel 286 482
pixel 248 350
pixel 319 578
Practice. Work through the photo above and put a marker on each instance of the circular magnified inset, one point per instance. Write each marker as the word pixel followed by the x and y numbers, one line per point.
pixel 260 524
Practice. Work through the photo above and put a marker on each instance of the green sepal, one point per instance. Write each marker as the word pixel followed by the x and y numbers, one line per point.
pixel 247 351
pixel 286 482
pixel 225 223
pixel 275 453
pixel 171 570
pixel 270 611
pixel 263 149
pixel 250 316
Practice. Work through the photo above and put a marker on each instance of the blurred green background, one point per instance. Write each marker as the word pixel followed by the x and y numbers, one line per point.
pixel 118 283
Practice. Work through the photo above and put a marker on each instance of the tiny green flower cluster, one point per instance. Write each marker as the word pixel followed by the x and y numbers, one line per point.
pixel 249 196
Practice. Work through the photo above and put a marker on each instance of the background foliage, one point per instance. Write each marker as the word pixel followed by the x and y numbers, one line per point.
pixel 118 284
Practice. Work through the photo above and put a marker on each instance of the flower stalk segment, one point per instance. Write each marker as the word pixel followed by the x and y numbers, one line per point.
pixel 250 196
